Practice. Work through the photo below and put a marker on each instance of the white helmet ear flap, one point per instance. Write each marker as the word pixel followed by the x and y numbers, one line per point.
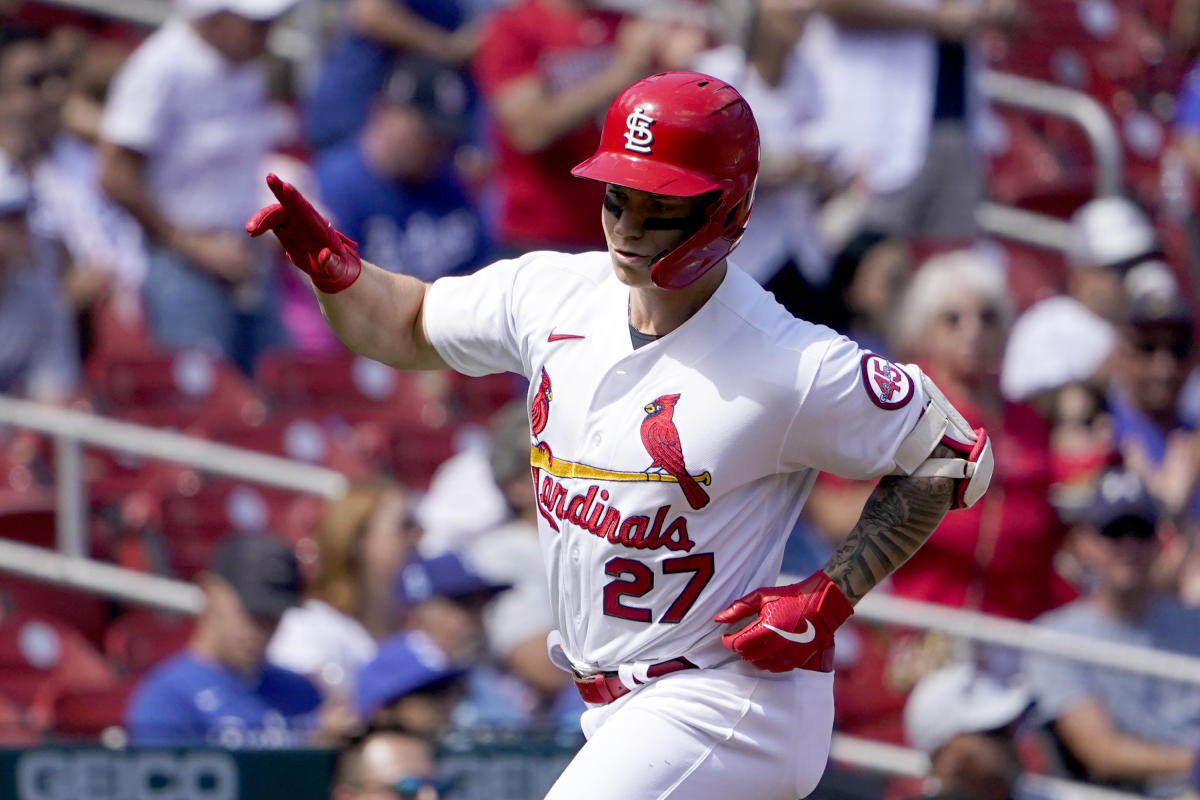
pixel 940 423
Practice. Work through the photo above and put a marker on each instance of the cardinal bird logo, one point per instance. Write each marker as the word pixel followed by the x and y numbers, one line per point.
pixel 539 412
pixel 661 441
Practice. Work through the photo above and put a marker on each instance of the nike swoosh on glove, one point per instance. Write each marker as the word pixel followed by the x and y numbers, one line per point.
pixel 794 624
pixel 326 255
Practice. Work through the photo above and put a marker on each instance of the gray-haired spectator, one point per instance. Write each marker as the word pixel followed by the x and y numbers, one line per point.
pixel 185 131
pixel 1137 732
pixel 997 557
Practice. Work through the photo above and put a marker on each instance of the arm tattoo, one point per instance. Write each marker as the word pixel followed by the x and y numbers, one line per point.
pixel 897 519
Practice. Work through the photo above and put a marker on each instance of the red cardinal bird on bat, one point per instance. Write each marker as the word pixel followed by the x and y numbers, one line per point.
pixel 661 440
pixel 539 412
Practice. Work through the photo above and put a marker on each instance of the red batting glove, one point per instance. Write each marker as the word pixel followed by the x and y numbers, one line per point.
pixel 795 623
pixel 312 244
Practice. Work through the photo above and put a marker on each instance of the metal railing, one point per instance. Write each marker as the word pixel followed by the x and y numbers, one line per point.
pixel 891 759
pixel 1029 227
pixel 70 566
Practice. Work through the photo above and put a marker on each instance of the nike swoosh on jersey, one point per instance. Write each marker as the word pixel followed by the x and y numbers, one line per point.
pixel 803 637
pixel 558 337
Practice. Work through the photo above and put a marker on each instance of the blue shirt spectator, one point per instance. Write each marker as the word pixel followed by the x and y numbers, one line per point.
pixel 359 62
pixel 221 691
pixel 1137 732
pixel 393 189
pixel 1187 104
pixel 1147 427
pixel 189 701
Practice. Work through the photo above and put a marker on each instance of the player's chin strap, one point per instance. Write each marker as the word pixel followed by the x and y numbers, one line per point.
pixel 940 423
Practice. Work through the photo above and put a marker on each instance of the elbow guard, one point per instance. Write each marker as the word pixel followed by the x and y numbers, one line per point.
pixel 940 423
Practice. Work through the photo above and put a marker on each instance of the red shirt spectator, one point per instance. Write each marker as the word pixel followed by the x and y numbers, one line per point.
pixel 548 68
pixel 998 555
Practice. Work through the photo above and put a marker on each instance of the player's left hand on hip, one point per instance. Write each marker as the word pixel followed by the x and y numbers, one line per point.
pixel 794 624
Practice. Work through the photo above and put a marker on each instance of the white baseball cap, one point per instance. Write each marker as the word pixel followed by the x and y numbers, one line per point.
pixel 959 699
pixel 1110 231
pixel 259 10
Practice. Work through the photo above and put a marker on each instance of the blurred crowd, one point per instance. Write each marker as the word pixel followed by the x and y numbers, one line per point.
pixel 439 135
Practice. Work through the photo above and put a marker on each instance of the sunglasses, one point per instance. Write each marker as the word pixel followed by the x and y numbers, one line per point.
pixel 409 787
pixel 40 77
pixel 988 317
pixel 1178 348
pixel 1130 528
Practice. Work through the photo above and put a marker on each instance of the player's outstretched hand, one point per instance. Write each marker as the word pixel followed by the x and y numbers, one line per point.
pixel 794 624
pixel 309 240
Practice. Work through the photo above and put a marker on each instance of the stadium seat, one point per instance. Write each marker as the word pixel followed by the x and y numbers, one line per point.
pixel 1023 162
pixel 195 383
pixel 477 399
pixel 351 384
pixel 40 657
pixel 15 729
pixel 865 702
pixel 194 524
pixel 141 637
pixel 82 714
pixel 87 613
pixel 28 517
pixel 417 450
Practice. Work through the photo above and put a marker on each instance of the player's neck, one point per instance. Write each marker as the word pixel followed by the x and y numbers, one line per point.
pixel 658 311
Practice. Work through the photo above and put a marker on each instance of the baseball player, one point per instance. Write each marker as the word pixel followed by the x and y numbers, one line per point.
pixel 680 419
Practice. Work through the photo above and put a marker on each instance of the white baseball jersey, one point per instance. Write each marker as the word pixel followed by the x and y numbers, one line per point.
pixel 668 476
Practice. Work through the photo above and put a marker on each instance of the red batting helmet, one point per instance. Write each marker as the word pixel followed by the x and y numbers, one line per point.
pixel 683 134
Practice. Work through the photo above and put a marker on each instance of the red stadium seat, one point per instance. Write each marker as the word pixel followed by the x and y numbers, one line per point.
pixel 865 702
pixel 194 524
pixel 41 657
pixel 87 613
pixel 1025 162
pixel 350 384
pixel 85 713
pixel 140 638
pixel 416 451
pixel 16 730
pixel 28 517
pixel 197 384
pixel 477 399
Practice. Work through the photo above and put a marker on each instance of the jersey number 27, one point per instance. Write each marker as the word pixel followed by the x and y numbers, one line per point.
pixel 635 579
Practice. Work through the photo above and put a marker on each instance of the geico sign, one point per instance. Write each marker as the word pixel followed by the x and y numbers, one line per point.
pixel 100 775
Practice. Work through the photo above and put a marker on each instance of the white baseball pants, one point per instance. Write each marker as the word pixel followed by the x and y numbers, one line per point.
pixel 710 734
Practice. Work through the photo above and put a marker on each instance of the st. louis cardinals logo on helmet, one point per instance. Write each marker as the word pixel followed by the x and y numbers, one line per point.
pixel 683 134
pixel 638 136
